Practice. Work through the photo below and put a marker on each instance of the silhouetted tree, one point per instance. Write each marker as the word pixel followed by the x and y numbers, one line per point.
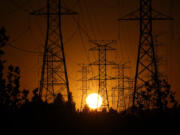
pixel 24 96
pixel 3 41
pixel 10 94
pixel 86 109
pixel 13 85
pixel 59 100
pixel 36 98
pixel 111 110
pixel 167 96
pixel 154 97
pixel 104 110
pixel 70 105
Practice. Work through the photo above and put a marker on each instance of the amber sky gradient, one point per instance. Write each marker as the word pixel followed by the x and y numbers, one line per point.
pixel 99 19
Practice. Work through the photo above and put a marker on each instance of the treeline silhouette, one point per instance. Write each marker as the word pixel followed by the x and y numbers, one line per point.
pixel 20 114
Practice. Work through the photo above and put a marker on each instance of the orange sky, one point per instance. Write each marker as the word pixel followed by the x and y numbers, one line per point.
pixel 99 19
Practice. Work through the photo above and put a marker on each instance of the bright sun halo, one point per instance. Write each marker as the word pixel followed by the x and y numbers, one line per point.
pixel 94 101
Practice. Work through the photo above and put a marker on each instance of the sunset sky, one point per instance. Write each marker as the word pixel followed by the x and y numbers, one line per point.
pixel 98 18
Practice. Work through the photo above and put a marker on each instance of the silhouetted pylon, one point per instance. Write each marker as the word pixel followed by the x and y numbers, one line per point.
pixel 123 88
pixel 146 68
pixel 54 78
pixel 102 46
pixel 84 83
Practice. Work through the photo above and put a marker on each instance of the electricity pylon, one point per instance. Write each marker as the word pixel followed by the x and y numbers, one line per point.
pixel 114 98
pixel 122 87
pixel 117 92
pixel 54 78
pixel 146 68
pixel 102 47
pixel 84 87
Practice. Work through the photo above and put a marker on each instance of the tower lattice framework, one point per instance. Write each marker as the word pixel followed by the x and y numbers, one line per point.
pixel 123 86
pixel 54 78
pixel 102 46
pixel 146 67
pixel 84 83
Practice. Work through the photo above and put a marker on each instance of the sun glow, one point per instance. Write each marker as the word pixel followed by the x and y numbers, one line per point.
pixel 94 101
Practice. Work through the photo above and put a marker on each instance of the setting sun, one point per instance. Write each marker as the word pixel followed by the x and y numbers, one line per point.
pixel 94 101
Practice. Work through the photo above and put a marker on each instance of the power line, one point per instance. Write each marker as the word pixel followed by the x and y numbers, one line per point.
pixel 22 50
pixel 10 44
pixel 69 39
pixel 81 31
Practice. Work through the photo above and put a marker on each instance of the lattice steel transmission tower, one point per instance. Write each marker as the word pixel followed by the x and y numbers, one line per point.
pixel 54 78
pixel 117 92
pixel 102 46
pixel 114 96
pixel 146 68
pixel 84 87
pixel 123 86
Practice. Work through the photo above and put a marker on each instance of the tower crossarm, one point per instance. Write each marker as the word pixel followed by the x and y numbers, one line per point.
pixel 54 76
pixel 135 16
pixel 146 66
pixel 44 12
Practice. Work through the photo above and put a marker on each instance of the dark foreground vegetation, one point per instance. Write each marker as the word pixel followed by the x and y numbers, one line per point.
pixel 20 114
pixel 51 119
